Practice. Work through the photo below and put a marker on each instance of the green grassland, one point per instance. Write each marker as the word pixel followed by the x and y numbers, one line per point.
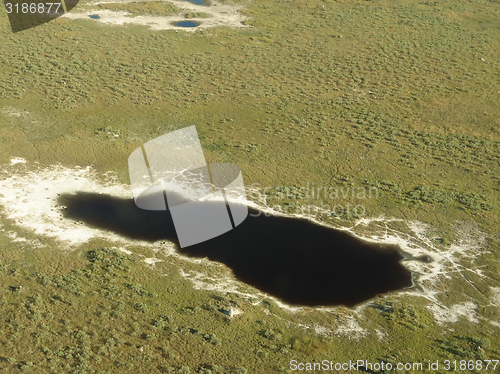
pixel 398 95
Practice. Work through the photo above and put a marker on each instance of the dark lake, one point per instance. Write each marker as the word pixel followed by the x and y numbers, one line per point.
pixel 186 24
pixel 292 259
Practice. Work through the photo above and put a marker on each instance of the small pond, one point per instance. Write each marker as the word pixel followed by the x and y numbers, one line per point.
pixel 94 16
pixel 200 2
pixel 186 24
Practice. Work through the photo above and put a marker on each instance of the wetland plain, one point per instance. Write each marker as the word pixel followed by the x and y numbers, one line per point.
pixel 399 96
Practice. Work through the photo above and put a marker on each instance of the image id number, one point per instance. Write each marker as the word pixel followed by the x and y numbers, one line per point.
pixel 31 7
pixel 470 365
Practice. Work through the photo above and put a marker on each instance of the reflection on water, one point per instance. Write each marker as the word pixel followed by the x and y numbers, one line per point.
pixel 294 260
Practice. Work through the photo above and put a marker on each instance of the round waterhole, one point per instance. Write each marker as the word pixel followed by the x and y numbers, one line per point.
pixel 186 24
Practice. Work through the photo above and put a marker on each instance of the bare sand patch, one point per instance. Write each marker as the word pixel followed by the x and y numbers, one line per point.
pixel 445 315
pixel 28 195
pixel 14 112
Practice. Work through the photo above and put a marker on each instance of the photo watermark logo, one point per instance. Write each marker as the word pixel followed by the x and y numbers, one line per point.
pixel 334 201
pixel 170 172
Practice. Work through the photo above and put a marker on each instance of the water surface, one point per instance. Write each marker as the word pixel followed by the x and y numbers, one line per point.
pixel 186 24
pixel 199 2
pixel 297 261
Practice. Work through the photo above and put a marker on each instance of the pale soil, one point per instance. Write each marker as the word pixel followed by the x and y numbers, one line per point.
pixel 221 15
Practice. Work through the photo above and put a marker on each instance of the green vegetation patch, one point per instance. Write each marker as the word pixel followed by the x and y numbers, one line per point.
pixel 197 15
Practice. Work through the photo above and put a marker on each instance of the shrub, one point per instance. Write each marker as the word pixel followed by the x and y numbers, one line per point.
pixel 211 338
pixel 272 335
pixel 26 365
pixel 192 310
pixel 159 323
pixel 141 307
pixel 261 354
